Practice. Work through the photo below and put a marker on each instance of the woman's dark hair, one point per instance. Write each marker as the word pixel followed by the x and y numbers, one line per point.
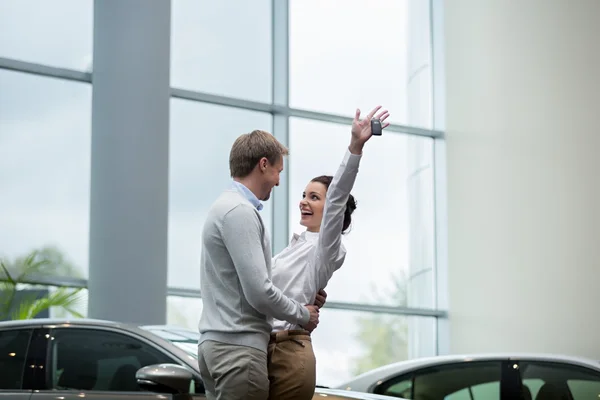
pixel 350 204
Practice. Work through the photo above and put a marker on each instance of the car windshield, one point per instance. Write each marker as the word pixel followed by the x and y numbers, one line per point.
pixel 185 339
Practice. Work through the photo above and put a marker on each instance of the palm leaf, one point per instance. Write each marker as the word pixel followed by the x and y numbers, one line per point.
pixel 31 265
pixel 23 302
pixel 74 313
pixel 63 298
pixel 23 269
pixel 8 288
pixel 6 276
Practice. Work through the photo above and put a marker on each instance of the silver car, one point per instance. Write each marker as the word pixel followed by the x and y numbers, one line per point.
pixel 484 377
pixel 100 360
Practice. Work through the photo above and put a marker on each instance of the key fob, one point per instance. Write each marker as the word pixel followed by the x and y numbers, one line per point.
pixel 376 127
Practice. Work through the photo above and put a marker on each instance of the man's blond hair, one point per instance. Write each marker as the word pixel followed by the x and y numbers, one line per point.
pixel 249 148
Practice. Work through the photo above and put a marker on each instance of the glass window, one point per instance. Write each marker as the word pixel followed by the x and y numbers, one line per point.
pixel 584 389
pixel 222 47
pixel 87 359
pixel 554 379
pixel 531 387
pixel 484 391
pixel 374 58
pixel 45 143
pixel 200 141
pixel 419 74
pixel 394 192
pixel 464 381
pixel 368 341
pixel 402 388
pixel 183 312
pixel 56 33
pixel 13 356
pixel 78 308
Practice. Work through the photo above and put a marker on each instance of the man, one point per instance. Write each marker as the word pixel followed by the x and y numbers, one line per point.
pixel 238 296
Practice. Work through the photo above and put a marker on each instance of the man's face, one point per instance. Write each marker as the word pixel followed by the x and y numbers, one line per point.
pixel 271 177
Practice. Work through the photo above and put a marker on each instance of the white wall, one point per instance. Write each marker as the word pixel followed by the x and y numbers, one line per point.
pixel 523 135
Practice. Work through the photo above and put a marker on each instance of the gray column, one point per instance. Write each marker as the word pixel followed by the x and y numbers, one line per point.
pixel 130 160
pixel 523 189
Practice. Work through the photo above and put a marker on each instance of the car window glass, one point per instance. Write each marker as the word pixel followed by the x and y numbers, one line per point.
pixel 582 389
pixel 88 359
pixel 532 387
pixel 451 382
pixel 463 394
pixel 400 389
pixel 13 353
pixel 447 380
pixel 556 379
pixel 484 391
pixel 490 390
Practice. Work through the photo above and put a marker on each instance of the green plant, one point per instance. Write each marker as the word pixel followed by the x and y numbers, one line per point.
pixel 383 338
pixel 14 276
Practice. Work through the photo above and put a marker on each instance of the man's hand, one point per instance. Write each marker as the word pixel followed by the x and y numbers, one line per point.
pixel 314 318
pixel 321 298
pixel 361 129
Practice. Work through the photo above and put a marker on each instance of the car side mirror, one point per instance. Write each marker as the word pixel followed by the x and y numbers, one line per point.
pixel 164 378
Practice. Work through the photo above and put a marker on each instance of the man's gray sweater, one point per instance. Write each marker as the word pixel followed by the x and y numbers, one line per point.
pixel 239 299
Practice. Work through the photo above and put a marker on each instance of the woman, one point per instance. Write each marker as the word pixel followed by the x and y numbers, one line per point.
pixel 309 261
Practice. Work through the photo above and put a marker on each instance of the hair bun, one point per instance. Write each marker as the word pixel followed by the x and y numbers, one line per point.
pixel 351 204
pixel 350 207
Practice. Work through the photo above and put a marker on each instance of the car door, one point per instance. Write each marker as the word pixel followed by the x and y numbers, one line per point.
pixel 473 380
pixel 97 363
pixel 14 370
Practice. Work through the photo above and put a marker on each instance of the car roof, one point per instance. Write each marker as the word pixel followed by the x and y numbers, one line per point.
pixel 171 333
pixel 368 379
pixel 346 394
pixel 37 322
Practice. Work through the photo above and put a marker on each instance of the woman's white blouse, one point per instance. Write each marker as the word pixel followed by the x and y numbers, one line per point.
pixel 309 261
